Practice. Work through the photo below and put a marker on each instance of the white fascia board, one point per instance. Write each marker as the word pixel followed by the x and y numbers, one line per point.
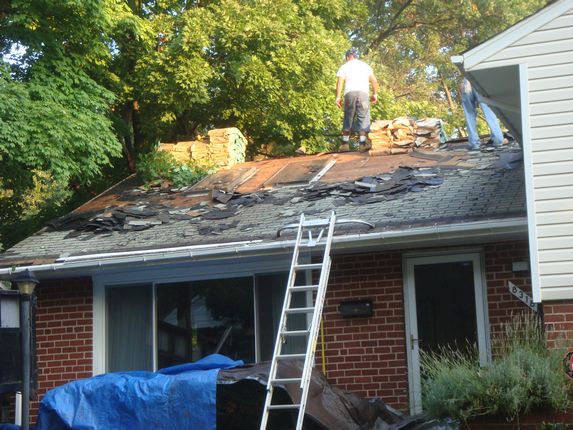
pixel 514 33
pixel 412 237
pixel 529 183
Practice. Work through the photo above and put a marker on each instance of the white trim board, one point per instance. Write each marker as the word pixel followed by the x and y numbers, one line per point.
pixel 529 182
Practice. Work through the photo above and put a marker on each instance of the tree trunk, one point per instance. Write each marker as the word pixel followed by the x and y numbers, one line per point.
pixel 127 137
pixel 448 93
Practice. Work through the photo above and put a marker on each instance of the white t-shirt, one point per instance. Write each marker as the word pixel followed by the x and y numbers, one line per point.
pixel 356 76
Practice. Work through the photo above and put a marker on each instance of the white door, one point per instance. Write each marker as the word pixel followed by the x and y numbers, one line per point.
pixel 445 304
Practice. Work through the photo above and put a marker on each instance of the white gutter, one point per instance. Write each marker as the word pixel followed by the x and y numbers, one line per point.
pixel 413 236
pixel 144 252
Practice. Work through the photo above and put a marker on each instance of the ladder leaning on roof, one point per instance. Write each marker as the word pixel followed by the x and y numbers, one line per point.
pixel 314 313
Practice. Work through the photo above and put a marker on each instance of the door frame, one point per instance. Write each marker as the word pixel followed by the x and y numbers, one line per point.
pixel 482 320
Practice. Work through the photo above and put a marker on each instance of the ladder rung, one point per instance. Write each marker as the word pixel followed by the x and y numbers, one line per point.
pixel 291 356
pixel 313 266
pixel 285 381
pixel 299 310
pixel 297 288
pixel 294 332
pixel 282 407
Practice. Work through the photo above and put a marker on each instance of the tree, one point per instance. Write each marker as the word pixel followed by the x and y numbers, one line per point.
pixel 54 115
pixel 83 81
pixel 265 67
pixel 412 41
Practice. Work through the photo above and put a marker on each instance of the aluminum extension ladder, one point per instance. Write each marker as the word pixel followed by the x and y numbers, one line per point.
pixel 313 313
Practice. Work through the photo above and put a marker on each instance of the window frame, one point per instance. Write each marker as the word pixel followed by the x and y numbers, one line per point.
pixel 177 272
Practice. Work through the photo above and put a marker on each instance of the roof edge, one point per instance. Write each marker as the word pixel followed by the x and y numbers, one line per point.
pixel 435 234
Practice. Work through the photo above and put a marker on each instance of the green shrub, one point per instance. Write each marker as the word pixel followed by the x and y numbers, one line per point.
pixel 451 384
pixel 155 167
pixel 189 173
pixel 524 377
pixel 554 426
pixel 159 166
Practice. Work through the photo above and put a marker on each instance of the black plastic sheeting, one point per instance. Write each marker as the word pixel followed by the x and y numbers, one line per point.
pixel 241 393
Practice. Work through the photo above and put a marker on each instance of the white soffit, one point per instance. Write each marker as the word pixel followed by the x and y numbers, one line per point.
pixel 500 89
pixel 506 38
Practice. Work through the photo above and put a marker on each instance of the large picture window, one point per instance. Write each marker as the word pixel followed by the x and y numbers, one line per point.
pixel 161 324
pixel 195 319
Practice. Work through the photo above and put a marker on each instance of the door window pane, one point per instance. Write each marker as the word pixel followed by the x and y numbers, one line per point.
pixel 445 304
pixel 195 319
pixel 129 328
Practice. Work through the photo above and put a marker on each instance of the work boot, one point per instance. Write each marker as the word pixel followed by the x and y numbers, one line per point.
pixel 364 146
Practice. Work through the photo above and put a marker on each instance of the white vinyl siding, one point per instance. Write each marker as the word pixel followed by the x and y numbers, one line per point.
pixel 548 54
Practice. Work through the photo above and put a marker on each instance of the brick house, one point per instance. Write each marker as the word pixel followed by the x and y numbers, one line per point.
pixel 143 279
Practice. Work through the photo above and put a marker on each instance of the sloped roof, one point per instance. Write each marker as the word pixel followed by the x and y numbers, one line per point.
pixel 400 193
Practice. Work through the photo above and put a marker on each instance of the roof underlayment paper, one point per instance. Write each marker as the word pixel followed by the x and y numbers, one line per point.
pixel 176 398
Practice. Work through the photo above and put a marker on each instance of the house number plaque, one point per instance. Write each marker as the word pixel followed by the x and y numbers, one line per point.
pixel 524 297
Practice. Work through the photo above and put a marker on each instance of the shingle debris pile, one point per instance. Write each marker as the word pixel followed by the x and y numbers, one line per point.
pixel 372 189
pixel 142 214
pixel 400 135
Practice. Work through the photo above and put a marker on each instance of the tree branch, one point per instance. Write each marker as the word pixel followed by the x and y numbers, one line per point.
pixel 392 27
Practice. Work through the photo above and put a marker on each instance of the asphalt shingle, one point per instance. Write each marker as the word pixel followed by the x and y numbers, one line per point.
pixel 450 195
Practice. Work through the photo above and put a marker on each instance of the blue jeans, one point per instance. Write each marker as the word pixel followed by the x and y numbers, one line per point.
pixel 470 101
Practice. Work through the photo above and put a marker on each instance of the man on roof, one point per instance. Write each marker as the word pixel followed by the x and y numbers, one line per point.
pixel 355 77
pixel 470 101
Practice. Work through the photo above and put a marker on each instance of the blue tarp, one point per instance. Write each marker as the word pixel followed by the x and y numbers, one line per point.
pixel 176 398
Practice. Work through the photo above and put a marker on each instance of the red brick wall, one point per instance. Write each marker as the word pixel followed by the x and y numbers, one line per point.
pixel 558 319
pixel 368 355
pixel 498 271
pixel 64 333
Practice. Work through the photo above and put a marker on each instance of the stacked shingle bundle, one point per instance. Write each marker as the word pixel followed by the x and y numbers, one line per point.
pixel 402 134
pixel 224 148
pixel 180 151
pixel 428 132
pixel 227 146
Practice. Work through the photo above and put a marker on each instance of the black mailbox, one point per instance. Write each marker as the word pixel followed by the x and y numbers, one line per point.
pixel 355 308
